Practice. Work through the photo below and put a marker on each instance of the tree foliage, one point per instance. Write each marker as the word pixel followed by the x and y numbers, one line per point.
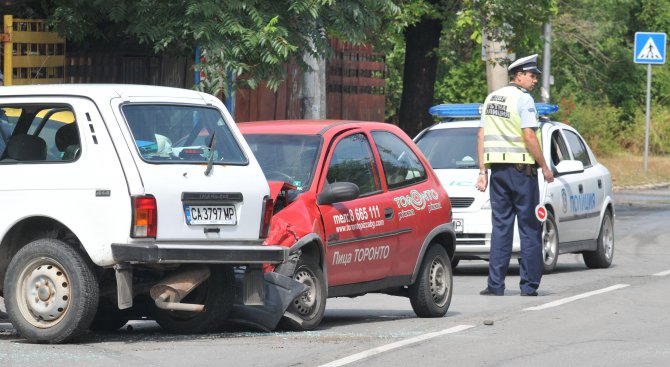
pixel 252 39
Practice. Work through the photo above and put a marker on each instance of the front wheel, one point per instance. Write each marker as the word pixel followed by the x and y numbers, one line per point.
pixel 216 293
pixel 602 257
pixel 549 243
pixel 430 295
pixel 307 310
pixel 51 292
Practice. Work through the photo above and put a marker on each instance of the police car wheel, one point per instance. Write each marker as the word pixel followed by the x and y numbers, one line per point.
pixel 549 243
pixel 602 256
pixel 51 291
pixel 307 310
pixel 430 295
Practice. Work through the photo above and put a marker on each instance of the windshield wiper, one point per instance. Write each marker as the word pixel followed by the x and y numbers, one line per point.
pixel 210 162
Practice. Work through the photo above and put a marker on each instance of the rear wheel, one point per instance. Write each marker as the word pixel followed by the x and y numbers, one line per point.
pixel 549 243
pixel 51 292
pixel 602 256
pixel 430 295
pixel 307 310
pixel 216 293
pixel 109 317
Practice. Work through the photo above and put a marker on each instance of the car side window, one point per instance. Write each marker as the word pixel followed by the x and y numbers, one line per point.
pixel 352 161
pixel 559 151
pixel 401 166
pixel 578 148
pixel 39 133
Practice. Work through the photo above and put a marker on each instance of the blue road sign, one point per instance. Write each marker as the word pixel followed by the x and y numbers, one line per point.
pixel 649 48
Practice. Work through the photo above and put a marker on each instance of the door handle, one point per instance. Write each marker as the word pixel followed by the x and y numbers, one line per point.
pixel 600 183
pixel 581 188
pixel 388 213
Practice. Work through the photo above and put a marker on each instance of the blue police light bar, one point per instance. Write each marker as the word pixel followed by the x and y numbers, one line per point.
pixel 454 110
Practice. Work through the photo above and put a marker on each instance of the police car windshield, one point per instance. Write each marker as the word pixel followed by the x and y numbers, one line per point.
pixel 287 158
pixel 453 148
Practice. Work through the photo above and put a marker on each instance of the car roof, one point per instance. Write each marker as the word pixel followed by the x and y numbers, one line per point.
pixel 309 127
pixel 125 91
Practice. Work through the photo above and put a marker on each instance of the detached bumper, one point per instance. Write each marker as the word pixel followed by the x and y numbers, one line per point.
pixel 157 253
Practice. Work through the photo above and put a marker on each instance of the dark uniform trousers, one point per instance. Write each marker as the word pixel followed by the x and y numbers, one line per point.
pixel 514 193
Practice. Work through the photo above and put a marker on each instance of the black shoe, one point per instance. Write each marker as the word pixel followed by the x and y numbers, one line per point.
pixel 531 294
pixel 487 292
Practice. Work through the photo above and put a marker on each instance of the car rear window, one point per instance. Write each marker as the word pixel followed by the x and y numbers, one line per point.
pixel 182 134
pixel 450 148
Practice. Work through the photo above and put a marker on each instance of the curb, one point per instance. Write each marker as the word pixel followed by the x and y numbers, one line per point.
pixel 651 186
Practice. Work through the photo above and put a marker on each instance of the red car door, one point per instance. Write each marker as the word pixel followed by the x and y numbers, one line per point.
pixel 361 233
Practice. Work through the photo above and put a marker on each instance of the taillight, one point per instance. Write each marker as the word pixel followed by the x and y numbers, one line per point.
pixel 145 217
pixel 268 208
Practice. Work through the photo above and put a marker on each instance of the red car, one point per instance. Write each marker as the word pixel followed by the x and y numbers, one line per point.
pixel 361 210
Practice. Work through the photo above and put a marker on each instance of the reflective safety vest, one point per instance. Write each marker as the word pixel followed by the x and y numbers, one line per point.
pixel 503 136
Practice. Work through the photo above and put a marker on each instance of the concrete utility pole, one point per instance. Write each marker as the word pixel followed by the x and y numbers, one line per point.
pixel 494 51
pixel 313 91
pixel 546 64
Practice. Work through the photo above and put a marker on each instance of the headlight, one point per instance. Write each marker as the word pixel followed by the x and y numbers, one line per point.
pixel 487 204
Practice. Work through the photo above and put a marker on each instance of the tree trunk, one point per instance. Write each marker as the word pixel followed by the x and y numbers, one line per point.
pixel 421 42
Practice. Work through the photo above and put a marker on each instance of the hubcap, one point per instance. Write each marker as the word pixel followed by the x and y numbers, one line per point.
pixel 45 291
pixel 305 303
pixel 439 286
pixel 549 244
pixel 608 238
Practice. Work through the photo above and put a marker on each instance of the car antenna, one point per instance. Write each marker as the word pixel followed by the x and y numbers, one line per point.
pixel 212 145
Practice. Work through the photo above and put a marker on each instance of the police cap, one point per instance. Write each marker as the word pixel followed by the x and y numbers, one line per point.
pixel 528 63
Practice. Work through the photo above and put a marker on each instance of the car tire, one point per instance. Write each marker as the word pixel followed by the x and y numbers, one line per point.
pixel 454 263
pixel 602 257
pixel 51 292
pixel 430 295
pixel 549 243
pixel 216 294
pixel 307 310
pixel 109 317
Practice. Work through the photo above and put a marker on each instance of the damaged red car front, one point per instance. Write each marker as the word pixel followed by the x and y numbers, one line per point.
pixel 361 211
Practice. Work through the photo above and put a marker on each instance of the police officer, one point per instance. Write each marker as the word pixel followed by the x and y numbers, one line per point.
pixel 509 146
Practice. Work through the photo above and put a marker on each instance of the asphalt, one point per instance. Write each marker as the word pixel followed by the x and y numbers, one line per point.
pixel 643 195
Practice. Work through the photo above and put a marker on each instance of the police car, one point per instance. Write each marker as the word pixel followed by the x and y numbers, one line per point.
pixel 579 209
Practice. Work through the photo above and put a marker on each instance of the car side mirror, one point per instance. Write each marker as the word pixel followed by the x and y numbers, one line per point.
pixel 337 192
pixel 569 167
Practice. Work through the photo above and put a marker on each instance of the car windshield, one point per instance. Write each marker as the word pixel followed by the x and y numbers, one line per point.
pixel 287 158
pixel 452 148
pixel 182 134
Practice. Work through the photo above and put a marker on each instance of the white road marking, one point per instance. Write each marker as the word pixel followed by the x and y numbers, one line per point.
pixel 385 348
pixel 574 298
pixel 662 274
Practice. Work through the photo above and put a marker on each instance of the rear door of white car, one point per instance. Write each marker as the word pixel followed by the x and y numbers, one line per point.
pixel 193 160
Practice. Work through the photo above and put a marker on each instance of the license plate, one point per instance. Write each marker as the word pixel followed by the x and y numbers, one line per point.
pixel 458 225
pixel 210 214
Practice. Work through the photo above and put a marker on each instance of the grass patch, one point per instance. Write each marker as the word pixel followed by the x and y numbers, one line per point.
pixel 628 169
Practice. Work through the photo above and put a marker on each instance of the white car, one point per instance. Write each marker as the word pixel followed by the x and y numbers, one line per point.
pixel 579 203
pixel 128 201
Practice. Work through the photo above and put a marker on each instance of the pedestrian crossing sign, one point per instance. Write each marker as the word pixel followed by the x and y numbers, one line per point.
pixel 649 48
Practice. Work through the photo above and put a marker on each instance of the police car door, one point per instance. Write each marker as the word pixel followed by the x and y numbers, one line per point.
pixel 361 236
pixel 564 188
pixel 586 202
